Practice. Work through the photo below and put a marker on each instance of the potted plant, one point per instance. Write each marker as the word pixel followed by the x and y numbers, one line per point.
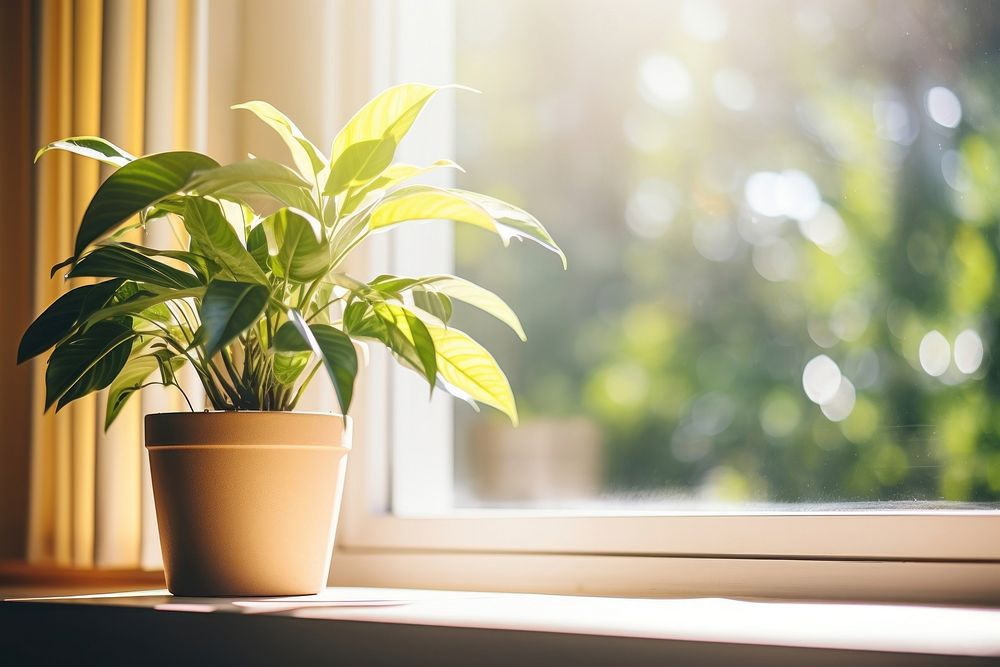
pixel 247 495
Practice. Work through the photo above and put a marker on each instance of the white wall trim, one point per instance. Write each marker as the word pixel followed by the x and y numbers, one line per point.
pixel 634 576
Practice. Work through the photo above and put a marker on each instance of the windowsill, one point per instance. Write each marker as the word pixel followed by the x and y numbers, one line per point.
pixel 395 621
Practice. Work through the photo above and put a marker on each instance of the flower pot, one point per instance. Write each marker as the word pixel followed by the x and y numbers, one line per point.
pixel 247 502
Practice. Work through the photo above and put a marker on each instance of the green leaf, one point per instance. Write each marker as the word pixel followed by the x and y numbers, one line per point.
pixel 227 310
pixel 116 261
pixel 306 156
pixel 474 295
pixel 202 266
pixel 56 267
pixel 288 366
pixel 215 237
pixel 359 164
pixel 419 350
pixel 465 365
pixel 133 376
pixel 257 247
pixel 389 115
pixel 171 204
pixel 332 345
pixel 62 317
pixel 425 202
pixel 435 303
pixel 393 175
pixel 244 181
pixel 296 249
pixel 513 222
pixel 138 184
pixel 92 147
pixel 86 362
pixel 141 302
pixel 348 283
pixel 391 285
pixel 356 320
pixel 169 364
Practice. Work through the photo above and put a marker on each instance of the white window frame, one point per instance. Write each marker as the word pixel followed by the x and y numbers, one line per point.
pixel 941 556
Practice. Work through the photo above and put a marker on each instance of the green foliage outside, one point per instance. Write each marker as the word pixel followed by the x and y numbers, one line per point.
pixel 696 298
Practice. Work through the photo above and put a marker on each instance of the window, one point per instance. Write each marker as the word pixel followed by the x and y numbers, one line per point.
pixel 773 340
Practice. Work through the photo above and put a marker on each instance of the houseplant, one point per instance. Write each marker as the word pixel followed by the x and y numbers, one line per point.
pixel 247 495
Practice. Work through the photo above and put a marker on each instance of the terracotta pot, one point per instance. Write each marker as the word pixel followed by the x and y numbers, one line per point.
pixel 247 502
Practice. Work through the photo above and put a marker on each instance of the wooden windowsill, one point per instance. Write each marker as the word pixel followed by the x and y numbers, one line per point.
pixel 393 626
pixel 21 579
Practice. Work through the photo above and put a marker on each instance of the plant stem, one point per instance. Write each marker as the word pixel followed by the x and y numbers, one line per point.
pixel 304 303
pixel 233 394
pixel 305 383
pixel 323 308
pixel 184 394
pixel 234 376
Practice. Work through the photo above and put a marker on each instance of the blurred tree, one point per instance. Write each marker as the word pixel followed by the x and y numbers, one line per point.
pixel 781 219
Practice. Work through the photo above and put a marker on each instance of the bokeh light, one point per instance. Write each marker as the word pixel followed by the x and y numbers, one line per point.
pixel 944 107
pixel 935 353
pixel 968 351
pixel 821 378
pixel 664 82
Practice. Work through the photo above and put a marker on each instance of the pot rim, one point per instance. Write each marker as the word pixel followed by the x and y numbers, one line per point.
pixel 225 428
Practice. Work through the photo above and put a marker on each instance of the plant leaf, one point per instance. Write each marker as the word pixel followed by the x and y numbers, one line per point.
pixel 513 222
pixel 141 303
pixel 306 156
pixel 56 267
pixel 215 237
pixel 117 261
pixel 288 366
pixel 202 266
pixel 132 377
pixel 466 365
pixel 348 283
pixel 86 362
pixel 332 345
pixel 474 295
pixel 257 247
pixel 418 349
pixel 227 310
pixel 246 180
pixel 359 164
pixel 138 184
pixel 58 320
pixel 169 204
pixel 296 251
pixel 425 202
pixel 390 114
pixel 393 175
pixel 356 318
pixel 435 303
pixel 135 372
pixel 92 147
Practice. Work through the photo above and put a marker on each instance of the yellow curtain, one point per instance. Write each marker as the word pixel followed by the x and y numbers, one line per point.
pixel 86 495
pixel 16 183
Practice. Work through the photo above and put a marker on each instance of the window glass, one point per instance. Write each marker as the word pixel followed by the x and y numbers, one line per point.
pixel 782 227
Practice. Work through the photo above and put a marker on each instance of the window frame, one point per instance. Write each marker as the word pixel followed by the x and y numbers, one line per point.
pixel 927 555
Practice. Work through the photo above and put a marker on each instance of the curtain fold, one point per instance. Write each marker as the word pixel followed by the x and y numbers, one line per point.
pixel 168 112
pixel 120 69
pixel 117 503
pixel 68 102
pixel 16 184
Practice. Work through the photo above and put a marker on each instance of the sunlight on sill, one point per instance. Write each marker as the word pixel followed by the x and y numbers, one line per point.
pixel 873 627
